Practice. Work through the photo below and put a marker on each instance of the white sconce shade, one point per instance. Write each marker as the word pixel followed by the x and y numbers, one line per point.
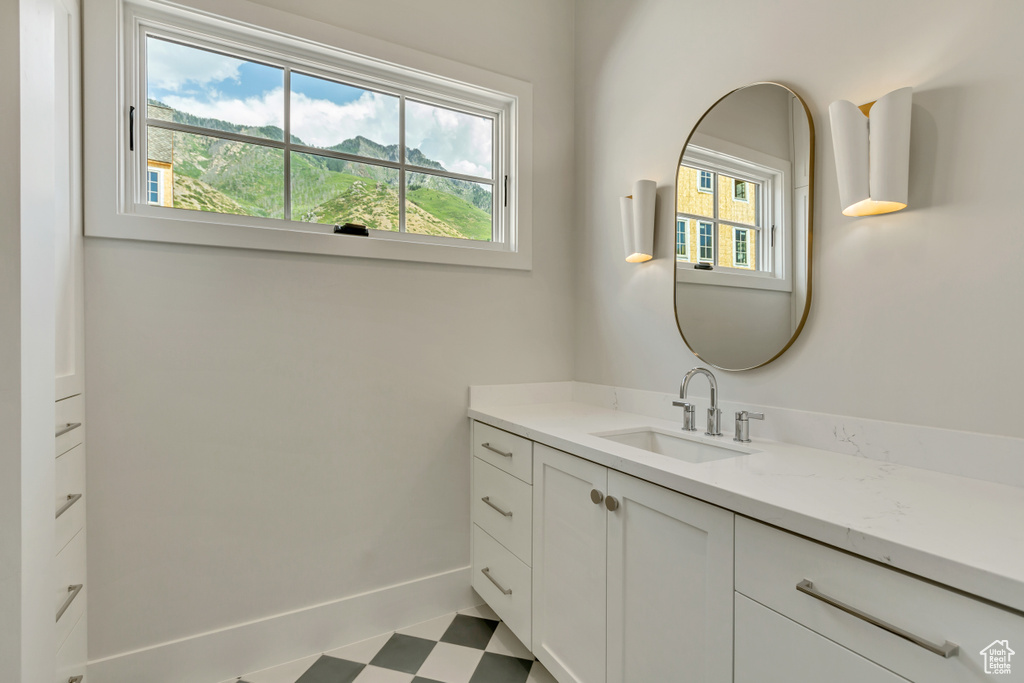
pixel 637 211
pixel 872 147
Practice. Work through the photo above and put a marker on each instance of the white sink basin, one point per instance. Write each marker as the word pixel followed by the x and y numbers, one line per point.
pixel 676 445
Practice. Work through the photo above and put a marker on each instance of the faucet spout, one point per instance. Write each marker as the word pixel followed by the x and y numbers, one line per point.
pixel 711 380
pixel 714 414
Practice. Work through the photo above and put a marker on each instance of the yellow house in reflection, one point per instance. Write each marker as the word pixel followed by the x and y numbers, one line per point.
pixel 696 220
pixel 159 186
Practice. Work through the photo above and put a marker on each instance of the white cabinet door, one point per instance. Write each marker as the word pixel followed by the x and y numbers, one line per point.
pixel 670 586
pixel 569 570
pixel 773 649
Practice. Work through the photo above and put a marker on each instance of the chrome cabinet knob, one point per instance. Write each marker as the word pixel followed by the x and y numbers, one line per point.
pixel 596 496
pixel 611 503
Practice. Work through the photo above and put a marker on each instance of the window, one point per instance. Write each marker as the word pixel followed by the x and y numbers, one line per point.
pixel 683 239
pixel 740 245
pixel 706 181
pixel 730 212
pixel 739 190
pixel 707 243
pixel 744 224
pixel 154 186
pixel 262 130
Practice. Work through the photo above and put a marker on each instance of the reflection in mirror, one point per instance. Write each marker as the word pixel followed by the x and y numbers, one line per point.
pixel 743 227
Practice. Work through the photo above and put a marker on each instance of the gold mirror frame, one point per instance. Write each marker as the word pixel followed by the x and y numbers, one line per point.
pixel 810 227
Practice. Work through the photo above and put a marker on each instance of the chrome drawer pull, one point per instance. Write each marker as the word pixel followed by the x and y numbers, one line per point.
pixel 73 592
pixel 486 571
pixel 76 679
pixel 72 499
pixel 946 650
pixel 491 448
pixel 61 431
pixel 506 513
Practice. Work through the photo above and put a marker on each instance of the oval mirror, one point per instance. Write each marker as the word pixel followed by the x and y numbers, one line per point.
pixel 744 202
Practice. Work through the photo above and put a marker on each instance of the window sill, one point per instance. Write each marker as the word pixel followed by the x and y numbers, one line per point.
pixel 685 272
pixel 318 239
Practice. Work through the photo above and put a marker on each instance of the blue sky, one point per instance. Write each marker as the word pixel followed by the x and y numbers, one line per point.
pixel 323 113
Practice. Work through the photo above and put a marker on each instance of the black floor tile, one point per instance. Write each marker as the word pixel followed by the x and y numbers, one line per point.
pixel 470 631
pixel 495 668
pixel 331 670
pixel 403 653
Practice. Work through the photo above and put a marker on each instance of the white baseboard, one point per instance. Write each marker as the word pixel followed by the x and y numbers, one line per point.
pixel 251 646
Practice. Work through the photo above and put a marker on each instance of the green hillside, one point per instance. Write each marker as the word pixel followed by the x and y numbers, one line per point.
pixel 471 221
pixel 224 176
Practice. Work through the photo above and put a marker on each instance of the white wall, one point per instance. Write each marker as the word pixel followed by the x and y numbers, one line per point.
pixel 269 431
pixel 916 316
pixel 27 346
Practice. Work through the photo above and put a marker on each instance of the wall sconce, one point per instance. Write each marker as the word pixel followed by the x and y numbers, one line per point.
pixel 638 221
pixel 872 147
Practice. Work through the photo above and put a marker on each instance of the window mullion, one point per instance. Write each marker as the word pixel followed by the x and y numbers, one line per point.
pixel 287 143
pixel 402 162
pixel 717 226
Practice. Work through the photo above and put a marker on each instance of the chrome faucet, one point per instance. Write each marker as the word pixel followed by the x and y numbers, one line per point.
pixel 689 410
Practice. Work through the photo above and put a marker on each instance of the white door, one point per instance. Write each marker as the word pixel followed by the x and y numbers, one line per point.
pixel 771 648
pixel 569 570
pixel 670 586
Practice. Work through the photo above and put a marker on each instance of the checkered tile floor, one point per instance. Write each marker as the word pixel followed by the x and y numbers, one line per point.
pixel 473 646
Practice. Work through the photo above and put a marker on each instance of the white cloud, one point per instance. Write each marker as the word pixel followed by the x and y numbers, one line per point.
pixel 170 66
pixel 460 142
pixel 265 110
pixel 322 123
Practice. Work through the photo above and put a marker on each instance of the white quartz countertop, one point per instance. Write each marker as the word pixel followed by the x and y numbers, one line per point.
pixel 965 533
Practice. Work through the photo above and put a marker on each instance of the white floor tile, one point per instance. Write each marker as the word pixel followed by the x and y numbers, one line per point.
pixel 285 673
pixel 375 674
pixel 538 674
pixel 361 652
pixel 451 663
pixel 482 611
pixel 504 642
pixel 431 630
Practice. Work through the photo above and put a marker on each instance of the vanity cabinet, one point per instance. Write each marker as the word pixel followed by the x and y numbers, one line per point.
pixel 501 510
pixel 887 625
pixel 631 581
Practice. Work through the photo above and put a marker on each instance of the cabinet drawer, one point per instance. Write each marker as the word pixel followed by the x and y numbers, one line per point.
pixel 69 571
pixel 73 654
pixel 508 591
pixel 770 563
pixel 508 452
pixel 773 649
pixel 70 481
pixel 503 507
pixel 69 412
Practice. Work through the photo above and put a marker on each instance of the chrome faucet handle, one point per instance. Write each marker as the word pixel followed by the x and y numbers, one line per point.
pixel 689 415
pixel 714 422
pixel 743 425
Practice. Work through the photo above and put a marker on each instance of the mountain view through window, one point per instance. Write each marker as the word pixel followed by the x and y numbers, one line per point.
pixel 216 133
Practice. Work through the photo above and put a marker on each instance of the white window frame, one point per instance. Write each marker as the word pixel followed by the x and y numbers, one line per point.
pixel 254 33
pixel 159 185
pixel 735 242
pixel 700 182
pixel 684 224
pixel 700 243
pixel 736 182
pixel 734 160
